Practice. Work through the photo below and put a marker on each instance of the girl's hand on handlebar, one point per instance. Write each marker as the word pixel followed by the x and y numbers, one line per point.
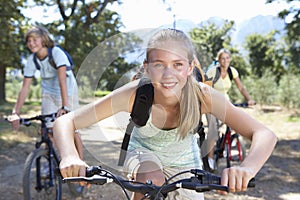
pixel 15 121
pixel 61 112
pixel 251 102
pixel 72 167
pixel 236 178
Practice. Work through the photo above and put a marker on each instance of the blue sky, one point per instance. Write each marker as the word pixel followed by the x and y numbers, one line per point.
pixel 140 14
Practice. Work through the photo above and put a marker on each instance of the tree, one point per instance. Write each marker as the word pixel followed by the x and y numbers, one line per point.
pixel 11 47
pixel 209 39
pixel 264 55
pixel 82 27
pixel 292 18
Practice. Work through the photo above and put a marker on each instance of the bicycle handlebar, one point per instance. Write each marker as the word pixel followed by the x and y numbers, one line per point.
pixel 43 118
pixel 243 105
pixel 200 181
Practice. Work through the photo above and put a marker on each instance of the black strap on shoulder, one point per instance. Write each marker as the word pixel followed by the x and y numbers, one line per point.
pixel 230 73
pixel 125 143
pixel 142 102
pixel 37 65
pixel 51 59
pixel 218 74
pixel 140 113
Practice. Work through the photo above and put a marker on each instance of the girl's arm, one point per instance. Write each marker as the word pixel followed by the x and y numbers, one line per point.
pixel 20 102
pixel 243 91
pixel 65 126
pixel 262 145
pixel 62 79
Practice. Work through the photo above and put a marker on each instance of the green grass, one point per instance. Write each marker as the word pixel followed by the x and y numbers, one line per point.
pixel 293 118
pixel 8 137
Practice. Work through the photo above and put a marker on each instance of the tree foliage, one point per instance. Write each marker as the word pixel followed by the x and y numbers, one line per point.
pixel 209 39
pixel 11 21
pixel 292 18
pixel 82 27
pixel 264 56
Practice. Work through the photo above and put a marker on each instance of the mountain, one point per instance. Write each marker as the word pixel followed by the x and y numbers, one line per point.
pixel 260 25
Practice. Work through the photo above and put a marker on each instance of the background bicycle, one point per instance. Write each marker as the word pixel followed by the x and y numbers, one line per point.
pixel 40 177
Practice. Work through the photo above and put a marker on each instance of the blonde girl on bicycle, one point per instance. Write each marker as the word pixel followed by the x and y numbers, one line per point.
pixel 167 143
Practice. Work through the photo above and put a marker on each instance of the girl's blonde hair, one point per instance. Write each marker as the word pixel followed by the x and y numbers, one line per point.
pixel 222 51
pixel 191 95
pixel 38 31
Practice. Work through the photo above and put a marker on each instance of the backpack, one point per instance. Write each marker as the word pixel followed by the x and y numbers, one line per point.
pixel 51 60
pixel 140 115
pixel 218 74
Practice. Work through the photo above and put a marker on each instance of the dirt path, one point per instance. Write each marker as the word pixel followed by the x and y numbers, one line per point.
pixel 278 179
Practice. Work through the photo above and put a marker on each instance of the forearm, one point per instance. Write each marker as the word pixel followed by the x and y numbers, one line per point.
pixel 20 101
pixel 245 94
pixel 64 92
pixel 63 130
pixel 261 148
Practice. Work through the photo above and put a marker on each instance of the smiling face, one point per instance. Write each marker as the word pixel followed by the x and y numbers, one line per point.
pixel 34 43
pixel 224 60
pixel 168 69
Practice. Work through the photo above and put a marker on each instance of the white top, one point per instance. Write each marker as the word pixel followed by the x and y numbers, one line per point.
pixel 49 75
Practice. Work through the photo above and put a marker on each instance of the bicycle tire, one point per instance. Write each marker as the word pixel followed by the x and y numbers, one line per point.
pixel 238 150
pixel 30 190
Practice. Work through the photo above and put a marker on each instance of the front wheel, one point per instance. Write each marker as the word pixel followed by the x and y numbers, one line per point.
pixel 37 183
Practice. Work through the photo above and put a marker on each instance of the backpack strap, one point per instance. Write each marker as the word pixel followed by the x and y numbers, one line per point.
pixel 218 74
pixel 140 113
pixel 37 65
pixel 142 102
pixel 230 73
pixel 125 143
pixel 51 59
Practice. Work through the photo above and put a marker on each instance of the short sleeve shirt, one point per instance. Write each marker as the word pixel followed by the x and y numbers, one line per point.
pixel 223 85
pixel 49 74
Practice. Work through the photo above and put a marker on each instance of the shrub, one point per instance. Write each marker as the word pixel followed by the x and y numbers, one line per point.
pixel 288 91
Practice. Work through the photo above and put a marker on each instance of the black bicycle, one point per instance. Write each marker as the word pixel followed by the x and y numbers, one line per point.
pixel 229 146
pixel 199 181
pixel 40 177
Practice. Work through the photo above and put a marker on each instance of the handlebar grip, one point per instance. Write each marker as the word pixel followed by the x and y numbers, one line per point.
pixel 251 183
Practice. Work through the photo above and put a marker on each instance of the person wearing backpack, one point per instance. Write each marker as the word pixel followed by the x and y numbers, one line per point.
pixel 166 143
pixel 59 87
pixel 222 75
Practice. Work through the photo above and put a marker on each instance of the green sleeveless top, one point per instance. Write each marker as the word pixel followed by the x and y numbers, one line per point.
pixel 167 146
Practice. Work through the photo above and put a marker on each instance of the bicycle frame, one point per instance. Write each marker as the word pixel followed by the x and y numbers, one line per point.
pixel 51 155
pixel 224 144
